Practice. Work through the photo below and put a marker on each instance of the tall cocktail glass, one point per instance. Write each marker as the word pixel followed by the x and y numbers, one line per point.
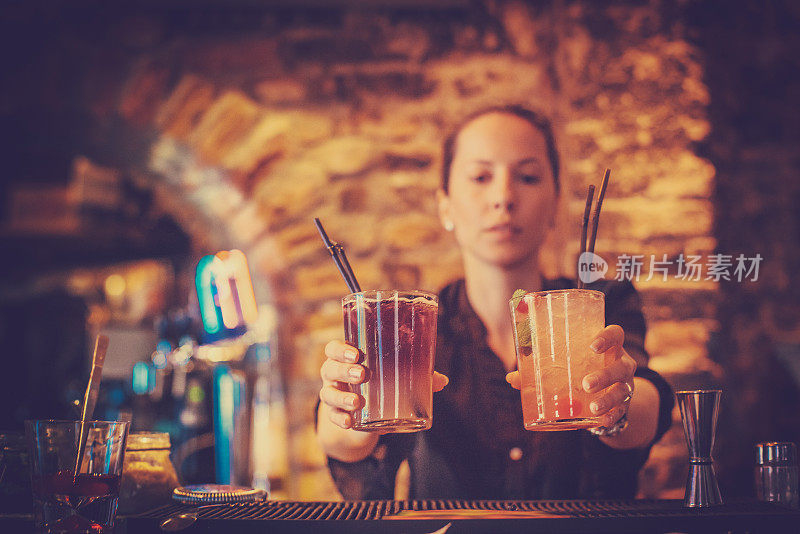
pixel 62 501
pixel 396 333
pixel 552 334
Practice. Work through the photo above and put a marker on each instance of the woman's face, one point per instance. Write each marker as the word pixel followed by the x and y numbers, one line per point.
pixel 502 196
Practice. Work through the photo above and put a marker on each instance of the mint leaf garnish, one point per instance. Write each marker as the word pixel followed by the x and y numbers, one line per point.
pixel 517 296
pixel 522 326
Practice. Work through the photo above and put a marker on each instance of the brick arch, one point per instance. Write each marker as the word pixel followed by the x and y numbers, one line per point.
pixel 206 205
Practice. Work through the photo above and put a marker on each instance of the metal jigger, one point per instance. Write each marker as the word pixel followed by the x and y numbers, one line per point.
pixel 699 410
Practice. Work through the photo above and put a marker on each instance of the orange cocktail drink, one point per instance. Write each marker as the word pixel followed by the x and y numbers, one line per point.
pixel 552 334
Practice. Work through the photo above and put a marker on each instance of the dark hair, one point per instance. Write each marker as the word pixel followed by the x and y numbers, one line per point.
pixel 538 121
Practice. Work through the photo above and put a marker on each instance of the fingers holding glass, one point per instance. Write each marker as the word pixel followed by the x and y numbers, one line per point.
pixel 340 402
pixel 617 396
pixel 619 370
pixel 611 336
pixel 341 418
pixel 338 372
pixel 513 378
pixel 439 381
pixel 347 373
pixel 342 352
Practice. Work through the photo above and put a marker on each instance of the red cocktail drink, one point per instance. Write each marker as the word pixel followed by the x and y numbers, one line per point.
pixel 396 334
pixel 64 502
pixel 92 498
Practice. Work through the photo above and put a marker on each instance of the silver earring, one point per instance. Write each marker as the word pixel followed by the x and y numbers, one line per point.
pixel 449 226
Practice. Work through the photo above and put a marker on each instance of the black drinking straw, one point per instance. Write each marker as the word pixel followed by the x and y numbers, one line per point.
pixel 587 210
pixel 596 218
pixel 340 258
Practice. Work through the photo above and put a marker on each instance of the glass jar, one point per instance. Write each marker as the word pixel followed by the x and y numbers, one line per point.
pixel 776 472
pixel 148 476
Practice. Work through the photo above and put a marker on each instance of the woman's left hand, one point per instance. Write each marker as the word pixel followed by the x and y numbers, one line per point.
pixel 613 384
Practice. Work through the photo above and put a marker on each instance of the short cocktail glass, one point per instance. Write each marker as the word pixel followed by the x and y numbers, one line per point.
pixel 552 334
pixel 62 501
pixel 396 334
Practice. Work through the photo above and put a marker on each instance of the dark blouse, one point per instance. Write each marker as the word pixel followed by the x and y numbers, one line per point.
pixel 472 450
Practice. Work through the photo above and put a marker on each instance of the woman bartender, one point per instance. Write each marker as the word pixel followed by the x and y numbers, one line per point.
pixel 498 195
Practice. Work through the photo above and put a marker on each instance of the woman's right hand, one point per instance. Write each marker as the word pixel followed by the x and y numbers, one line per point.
pixel 342 368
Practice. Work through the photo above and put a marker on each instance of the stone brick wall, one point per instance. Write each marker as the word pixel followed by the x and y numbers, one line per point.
pixel 339 113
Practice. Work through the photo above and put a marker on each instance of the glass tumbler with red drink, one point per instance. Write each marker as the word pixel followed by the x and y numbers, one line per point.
pixel 395 331
pixel 64 501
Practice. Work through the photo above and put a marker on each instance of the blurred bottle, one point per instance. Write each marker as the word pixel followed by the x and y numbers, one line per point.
pixel 250 422
pixel 270 457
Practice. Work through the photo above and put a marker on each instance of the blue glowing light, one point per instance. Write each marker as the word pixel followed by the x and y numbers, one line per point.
pixel 204 283
pixel 141 378
pixel 225 293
